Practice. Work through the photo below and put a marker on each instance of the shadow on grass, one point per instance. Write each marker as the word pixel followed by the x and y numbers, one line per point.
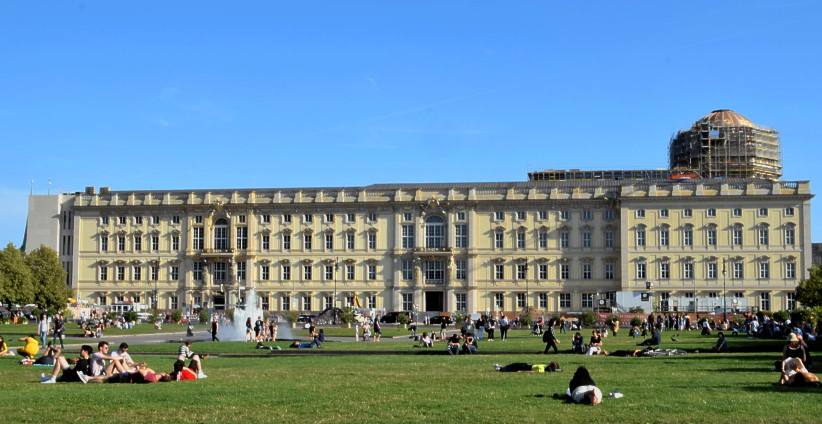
pixel 777 388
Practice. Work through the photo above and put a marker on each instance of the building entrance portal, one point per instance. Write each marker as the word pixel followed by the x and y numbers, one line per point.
pixel 219 301
pixel 434 302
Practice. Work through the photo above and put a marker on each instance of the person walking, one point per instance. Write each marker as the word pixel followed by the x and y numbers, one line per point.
pixel 59 328
pixel 549 338
pixel 492 325
pixel 43 329
pixel 503 327
pixel 214 327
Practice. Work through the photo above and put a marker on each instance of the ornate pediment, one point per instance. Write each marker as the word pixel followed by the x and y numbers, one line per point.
pixel 434 206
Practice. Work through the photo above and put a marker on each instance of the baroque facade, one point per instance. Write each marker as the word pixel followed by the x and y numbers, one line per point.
pixel 508 246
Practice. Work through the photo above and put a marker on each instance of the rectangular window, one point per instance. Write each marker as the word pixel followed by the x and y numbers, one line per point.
pixel 564 215
pixel 763 211
pixel 565 300
pixel 286 218
pixel 711 271
pixel 175 219
pixel 137 273
pixel 764 270
pixel 286 302
pixel 122 220
pixel 461 232
pixel 371 301
pixel 640 270
pixel 688 236
pixel 265 243
pixel 564 239
pixel 242 238
pixel 498 239
pixel 736 235
pixel 307 272
pixel 587 274
pixel 329 272
pixel 790 301
pixel 241 219
pixel 711 212
pixel 372 240
pixel 519 215
pixel 461 301
pixel 688 270
pixel 587 300
pixel 609 238
pixel 175 242
pixel 434 271
pixel 306 303
pixel 103 220
pixel 522 271
pixel 350 218
pixel 663 213
pixel 788 211
pixel 564 271
pixel 266 218
pixel 461 216
pixel 520 239
pixel 155 220
pixel 241 271
pixel 520 300
pixel 408 301
pixel 687 212
pixel 286 272
pixel 790 270
pixel 263 302
pixel 499 271
pixel 609 271
pixel 543 239
pixel 175 273
pixel 349 271
pixel 197 271
pixel 121 272
pixel 608 214
pixel 640 236
pixel 103 273
pixel 587 215
pixel 138 243
pixel 407 216
pixel 586 239
pixel 103 243
pixel 664 270
pixel 307 238
pixel 790 235
pixel 328 302
pixel 542 271
pixel 408 236
pixel 407 270
pixel 763 236
pixel 499 215
pixel 197 238
pixel 542 300
pixel 663 236
pixel 639 213
pixel 737 212
pixel 308 218
pixel 737 271
pixel 372 271
pixel 329 217
pixel 543 215
pixel 286 241
pixel 499 300
pixel 329 241
pixel 264 272
pixel 138 220
pixel 765 301
pixel 349 241
pixel 711 236
pixel 460 266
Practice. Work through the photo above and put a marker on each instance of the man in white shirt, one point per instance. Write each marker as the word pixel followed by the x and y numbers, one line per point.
pixel 99 371
pixel 125 360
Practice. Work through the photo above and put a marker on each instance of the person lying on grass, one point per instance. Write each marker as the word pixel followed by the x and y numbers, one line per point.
pixel 797 375
pixel 582 389
pixel 142 375
pixel 63 371
pixel 655 340
pixel 526 367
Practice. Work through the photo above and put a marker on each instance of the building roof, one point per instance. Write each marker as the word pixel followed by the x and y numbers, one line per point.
pixel 727 118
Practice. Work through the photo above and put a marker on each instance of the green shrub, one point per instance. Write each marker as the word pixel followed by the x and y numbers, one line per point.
pixel 636 310
pixel 176 315
pixel 780 316
pixel 202 315
pixel 588 319
pixel 525 321
pixel 636 322
pixel 130 316
pixel 403 319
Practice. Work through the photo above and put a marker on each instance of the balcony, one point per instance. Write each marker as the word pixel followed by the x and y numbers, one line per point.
pixel 433 251
pixel 216 253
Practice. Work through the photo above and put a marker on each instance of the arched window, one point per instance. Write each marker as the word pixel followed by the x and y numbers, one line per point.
pixel 434 232
pixel 221 234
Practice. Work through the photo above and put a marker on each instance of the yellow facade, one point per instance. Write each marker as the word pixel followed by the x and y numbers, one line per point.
pixel 565 246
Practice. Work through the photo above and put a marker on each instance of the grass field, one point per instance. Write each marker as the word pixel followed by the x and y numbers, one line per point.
pixel 345 382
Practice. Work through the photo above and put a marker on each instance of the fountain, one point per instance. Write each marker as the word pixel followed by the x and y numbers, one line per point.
pixel 235 329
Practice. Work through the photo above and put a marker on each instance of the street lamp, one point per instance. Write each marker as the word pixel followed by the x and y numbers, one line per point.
pixel 527 288
pixel 724 292
pixel 156 278
pixel 649 285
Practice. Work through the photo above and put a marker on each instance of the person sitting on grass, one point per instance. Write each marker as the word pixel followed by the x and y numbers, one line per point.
pixel 796 374
pixel 655 340
pixel 122 354
pixel 526 367
pixel 182 373
pixel 4 348
pixel 583 389
pixel 577 344
pixel 721 345
pixel 595 346
pixel 32 346
pixel 454 344
pixel 425 340
pixel 195 363
pixel 469 345
pixel 82 366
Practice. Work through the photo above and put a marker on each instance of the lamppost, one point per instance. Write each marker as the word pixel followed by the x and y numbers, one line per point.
pixel 156 278
pixel 334 303
pixel 724 292
pixel 527 288
pixel 649 285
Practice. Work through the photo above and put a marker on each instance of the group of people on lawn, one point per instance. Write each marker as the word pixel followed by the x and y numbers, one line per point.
pixel 118 367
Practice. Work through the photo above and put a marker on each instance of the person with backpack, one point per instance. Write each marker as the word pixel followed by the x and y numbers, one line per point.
pixel 549 338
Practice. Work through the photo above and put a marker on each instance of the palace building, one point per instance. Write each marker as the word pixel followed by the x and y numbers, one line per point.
pixel 562 241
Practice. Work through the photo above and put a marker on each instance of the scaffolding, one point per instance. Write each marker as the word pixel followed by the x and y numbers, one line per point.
pixel 725 144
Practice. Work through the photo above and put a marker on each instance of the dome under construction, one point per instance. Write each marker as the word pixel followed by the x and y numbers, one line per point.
pixel 726 144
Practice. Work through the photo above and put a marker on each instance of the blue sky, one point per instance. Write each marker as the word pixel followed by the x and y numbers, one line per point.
pixel 169 95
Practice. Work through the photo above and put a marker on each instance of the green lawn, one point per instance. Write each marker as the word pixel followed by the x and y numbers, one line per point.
pixel 407 386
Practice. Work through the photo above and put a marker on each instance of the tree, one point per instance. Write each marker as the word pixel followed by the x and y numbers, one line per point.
pixel 809 292
pixel 48 277
pixel 15 277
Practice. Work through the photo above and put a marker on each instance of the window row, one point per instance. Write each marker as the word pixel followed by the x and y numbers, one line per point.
pixel 562 215
pixel 713 270
pixel 711 212
pixel 586 237
pixel 735 235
